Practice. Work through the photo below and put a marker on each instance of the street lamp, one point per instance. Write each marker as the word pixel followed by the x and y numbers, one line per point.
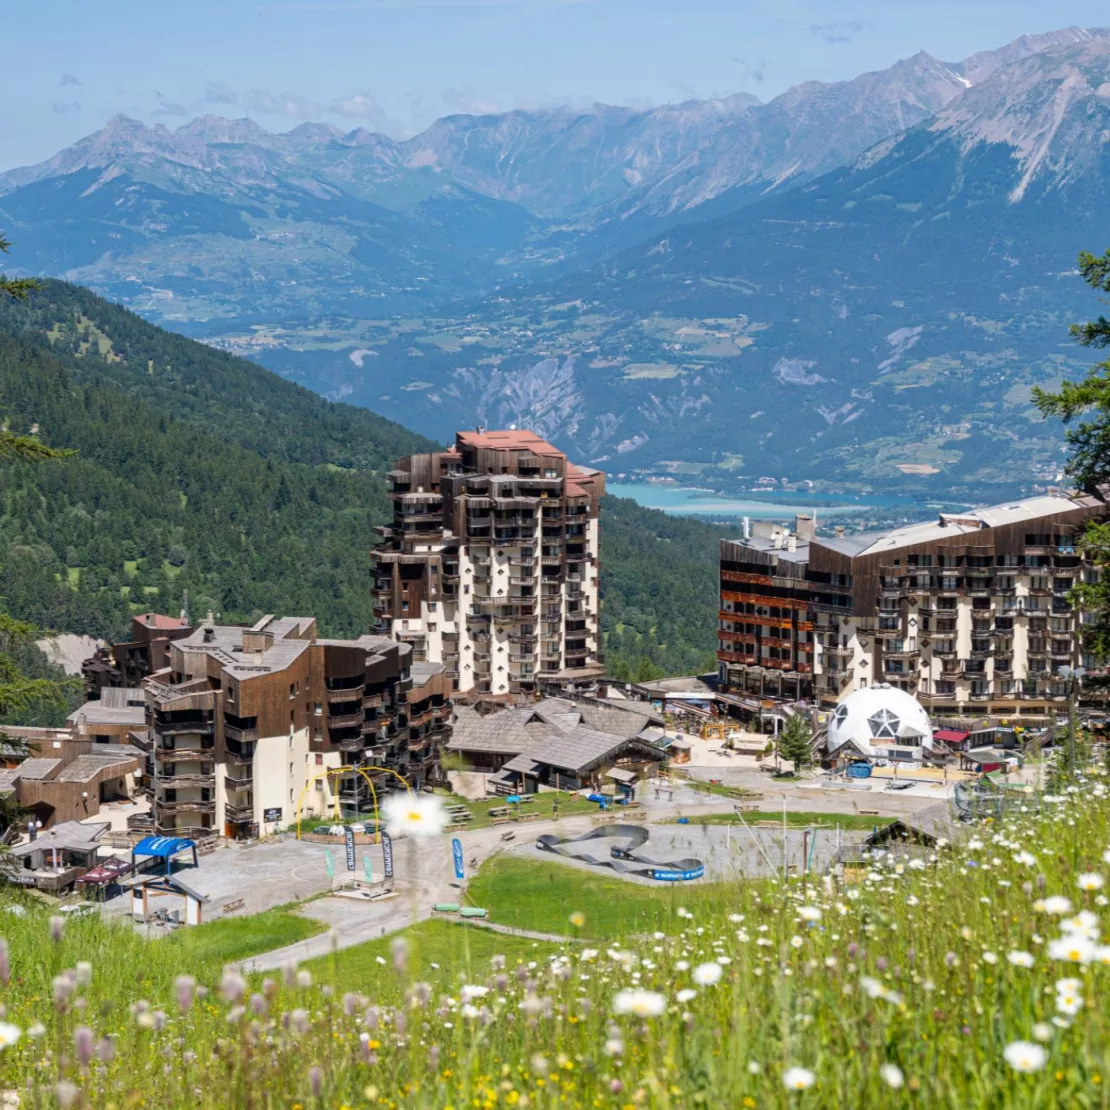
pixel 1072 676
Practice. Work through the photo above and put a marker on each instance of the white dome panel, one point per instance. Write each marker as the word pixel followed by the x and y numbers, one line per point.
pixel 880 717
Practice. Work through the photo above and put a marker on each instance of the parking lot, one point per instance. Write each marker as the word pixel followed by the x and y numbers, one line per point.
pixel 263 875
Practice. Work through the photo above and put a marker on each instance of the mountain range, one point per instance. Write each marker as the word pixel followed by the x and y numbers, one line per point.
pixel 852 282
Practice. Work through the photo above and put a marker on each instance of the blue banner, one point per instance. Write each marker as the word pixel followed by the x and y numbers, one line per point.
pixel 456 851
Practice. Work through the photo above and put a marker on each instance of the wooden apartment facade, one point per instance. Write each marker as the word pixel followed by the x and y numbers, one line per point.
pixel 246 722
pixel 973 614
pixel 490 565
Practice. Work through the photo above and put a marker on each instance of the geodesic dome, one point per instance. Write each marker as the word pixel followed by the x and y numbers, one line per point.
pixel 880 717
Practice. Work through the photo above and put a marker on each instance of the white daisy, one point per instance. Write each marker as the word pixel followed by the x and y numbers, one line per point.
pixel 413 815
pixel 642 1003
pixel 798 1079
pixel 1025 1056
pixel 705 975
pixel 892 1076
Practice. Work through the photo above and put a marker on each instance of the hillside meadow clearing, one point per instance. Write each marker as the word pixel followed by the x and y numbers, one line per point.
pixel 969 975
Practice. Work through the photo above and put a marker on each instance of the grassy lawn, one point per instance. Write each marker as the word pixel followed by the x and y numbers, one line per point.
pixel 541 895
pixel 718 789
pixel 235 938
pixel 126 964
pixel 793 820
pixel 441 952
pixel 570 805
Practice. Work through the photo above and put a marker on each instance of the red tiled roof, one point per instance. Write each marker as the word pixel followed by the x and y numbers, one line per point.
pixel 951 735
pixel 159 620
pixel 520 440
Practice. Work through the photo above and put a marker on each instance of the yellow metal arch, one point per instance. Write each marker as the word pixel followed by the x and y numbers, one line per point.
pixel 346 770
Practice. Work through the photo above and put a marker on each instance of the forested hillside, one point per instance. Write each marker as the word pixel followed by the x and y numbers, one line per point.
pixel 659 591
pixel 197 471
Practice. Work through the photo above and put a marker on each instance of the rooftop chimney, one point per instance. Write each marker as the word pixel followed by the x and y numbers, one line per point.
pixel 256 641
pixel 839 530
pixel 791 543
pixel 805 527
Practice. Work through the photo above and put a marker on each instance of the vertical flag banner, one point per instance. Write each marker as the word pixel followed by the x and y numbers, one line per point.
pixel 456 851
pixel 330 862
pixel 349 839
pixel 387 854
pixel 368 867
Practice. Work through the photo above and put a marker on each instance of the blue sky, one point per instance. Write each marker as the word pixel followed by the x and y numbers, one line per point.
pixel 395 65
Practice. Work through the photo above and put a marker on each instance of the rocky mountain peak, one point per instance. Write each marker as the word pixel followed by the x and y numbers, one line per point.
pixel 1052 108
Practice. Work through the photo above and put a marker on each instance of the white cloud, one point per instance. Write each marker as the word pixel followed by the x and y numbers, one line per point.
pixel 169 107
pixel 219 92
pixel 68 79
pixel 283 104
pixel 466 100
pixel 834 34
pixel 356 106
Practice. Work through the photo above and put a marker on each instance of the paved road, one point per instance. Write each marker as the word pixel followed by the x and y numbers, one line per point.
pixel 425 875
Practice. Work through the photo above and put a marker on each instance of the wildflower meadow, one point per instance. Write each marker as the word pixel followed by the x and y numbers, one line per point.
pixel 972 974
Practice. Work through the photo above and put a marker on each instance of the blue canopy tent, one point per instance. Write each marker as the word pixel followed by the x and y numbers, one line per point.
pixel 164 848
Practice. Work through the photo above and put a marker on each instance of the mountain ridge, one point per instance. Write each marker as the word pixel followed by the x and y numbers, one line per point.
pixel 884 322
pixel 640 333
pixel 650 148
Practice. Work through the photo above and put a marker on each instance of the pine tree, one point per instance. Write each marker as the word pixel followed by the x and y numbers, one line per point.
pixel 14 446
pixel 1089 441
pixel 794 742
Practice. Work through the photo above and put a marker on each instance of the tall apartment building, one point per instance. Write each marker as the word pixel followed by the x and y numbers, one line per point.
pixel 127 664
pixel 245 719
pixel 970 613
pixel 491 563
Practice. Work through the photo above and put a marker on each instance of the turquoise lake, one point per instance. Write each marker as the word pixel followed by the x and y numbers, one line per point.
pixel 687 501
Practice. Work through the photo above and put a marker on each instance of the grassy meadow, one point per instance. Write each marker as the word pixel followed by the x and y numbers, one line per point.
pixel 970 975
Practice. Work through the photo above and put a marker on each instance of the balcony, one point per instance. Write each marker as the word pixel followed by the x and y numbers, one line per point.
pixel 169 809
pixel 184 728
pixel 238 779
pixel 202 780
pixel 345 720
pixel 239 735
pixel 242 750
pixel 240 815
pixel 345 693
pixel 184 755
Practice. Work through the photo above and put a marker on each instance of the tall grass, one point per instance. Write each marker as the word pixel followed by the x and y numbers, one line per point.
pixel 936 979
